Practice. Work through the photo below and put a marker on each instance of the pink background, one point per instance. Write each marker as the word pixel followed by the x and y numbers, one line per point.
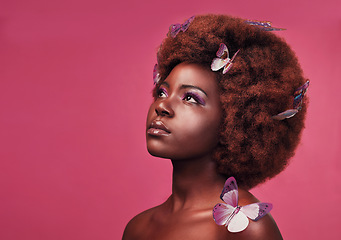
pixel 75 83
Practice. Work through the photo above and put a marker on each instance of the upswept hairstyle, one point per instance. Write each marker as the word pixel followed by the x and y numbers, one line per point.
pixel 253 147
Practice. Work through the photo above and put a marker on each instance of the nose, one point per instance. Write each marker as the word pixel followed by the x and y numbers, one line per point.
pixel 163 108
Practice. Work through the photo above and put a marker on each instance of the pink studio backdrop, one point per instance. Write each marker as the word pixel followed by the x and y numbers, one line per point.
pixel 75 83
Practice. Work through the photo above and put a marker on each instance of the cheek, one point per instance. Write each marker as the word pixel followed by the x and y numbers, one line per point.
pixel 207 132
pixel 201 133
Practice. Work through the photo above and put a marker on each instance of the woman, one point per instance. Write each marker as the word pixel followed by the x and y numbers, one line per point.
pixel 217 115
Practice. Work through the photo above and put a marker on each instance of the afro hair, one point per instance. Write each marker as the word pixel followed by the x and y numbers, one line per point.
pixel 253 147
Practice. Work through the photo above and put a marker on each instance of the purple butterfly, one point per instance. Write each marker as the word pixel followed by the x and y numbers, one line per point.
pixel 297 105
pixel 223 59
pixel 235 217
pixel 176 28
pixel 156 75
pixel 263 25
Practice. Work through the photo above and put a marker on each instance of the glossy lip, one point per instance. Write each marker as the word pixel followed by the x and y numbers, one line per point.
pixel 158 128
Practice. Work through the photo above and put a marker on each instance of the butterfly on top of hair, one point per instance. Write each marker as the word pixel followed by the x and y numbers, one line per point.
pixel 263 25
pixel 174 29
pixel 223 59
pixel 297 103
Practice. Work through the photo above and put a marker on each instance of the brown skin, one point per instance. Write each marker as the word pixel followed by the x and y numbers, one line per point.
pixel 191 137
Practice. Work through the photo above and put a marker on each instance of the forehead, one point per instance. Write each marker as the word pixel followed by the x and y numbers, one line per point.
pixel 192 74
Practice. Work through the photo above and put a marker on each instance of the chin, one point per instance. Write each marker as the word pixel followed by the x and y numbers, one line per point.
pixel 162 149
pixel 158 148
pixel 157 154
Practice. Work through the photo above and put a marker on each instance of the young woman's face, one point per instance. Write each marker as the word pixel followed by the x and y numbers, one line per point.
pixel 184 120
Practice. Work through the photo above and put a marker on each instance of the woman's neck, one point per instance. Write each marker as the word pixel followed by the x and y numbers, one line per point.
pixel 196 184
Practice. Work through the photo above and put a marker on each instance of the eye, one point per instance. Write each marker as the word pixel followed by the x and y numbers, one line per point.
pixel 162 92
pixel 193 98
pixel 189 98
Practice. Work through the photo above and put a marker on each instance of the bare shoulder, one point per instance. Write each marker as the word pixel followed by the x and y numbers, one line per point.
pixel 137 224
pixel 265 228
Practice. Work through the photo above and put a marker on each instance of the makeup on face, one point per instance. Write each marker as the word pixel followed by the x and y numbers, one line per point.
pixel 193 97
pixel 192 93
pixel 184 119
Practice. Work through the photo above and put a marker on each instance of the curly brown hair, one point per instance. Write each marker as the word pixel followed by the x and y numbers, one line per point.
pixel 253 147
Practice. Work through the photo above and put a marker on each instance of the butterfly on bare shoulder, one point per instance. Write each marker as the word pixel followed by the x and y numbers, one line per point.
pixel 233 216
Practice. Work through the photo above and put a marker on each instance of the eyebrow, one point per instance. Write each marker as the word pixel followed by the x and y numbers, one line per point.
pixel 184 86
pixel 191 86
pixel 164 83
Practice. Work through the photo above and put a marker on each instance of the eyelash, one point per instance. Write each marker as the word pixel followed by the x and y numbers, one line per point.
pixel 194 96
pixel 197 99
pixel 160 91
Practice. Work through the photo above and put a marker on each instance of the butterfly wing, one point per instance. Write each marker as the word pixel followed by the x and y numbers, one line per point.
pixel 263 25
pixel 286 114
pixel 269 29
pixel 221 213
pixel 156 75
pixel 174 29
pixel 299 94
pixel 227 67
pixel 229 63
pixel 222 49
pixel 256 211
pixel 259 23
pixel 298 100
pixel 187 23
pixel 302 88
pixel 253 211
pixel 230 192
pixel 238 223
pixel 234 55
pixel 218 63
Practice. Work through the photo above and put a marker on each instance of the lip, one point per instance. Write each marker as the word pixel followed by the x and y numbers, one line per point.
pixel 158 128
